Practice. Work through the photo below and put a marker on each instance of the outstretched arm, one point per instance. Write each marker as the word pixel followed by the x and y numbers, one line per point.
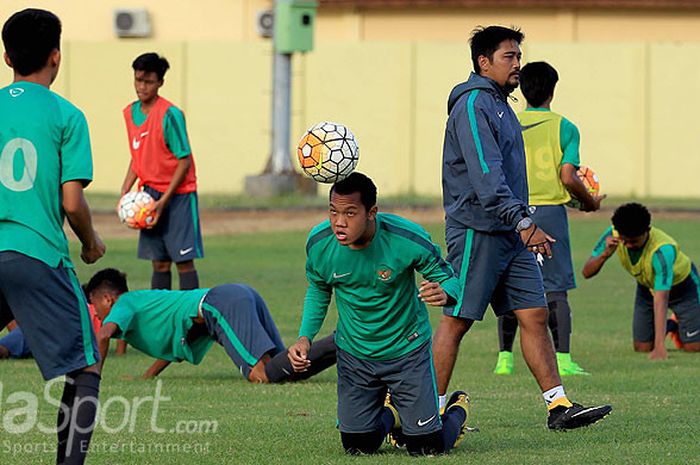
pixel 103 337
pixel 660 312
pixel 156 369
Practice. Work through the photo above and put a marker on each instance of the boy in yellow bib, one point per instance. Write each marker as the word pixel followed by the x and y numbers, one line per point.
pixel 665 278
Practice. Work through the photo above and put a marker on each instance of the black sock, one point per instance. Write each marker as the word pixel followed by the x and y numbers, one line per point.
pixel 161 280
pixel 361 443
pixel 62 428
pixel 507 327
pixel 559 306
pixel 451 426
pixel 427 444
pixel 321 355
pixel 82 416
pixel 386 421
pixel 189 280
pixel 671 326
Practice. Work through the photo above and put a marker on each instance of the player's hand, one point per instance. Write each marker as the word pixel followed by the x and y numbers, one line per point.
pixel 595 206
pixel 659 353
pixel 297 353
pixel 432 294
pixel 157 210
pixel 537 241
pixel 611 243
pixel 94 252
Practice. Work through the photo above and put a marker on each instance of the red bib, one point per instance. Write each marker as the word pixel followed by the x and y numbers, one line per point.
pixel 151 160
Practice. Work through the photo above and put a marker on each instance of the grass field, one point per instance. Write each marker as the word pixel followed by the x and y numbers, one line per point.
pixel 655 417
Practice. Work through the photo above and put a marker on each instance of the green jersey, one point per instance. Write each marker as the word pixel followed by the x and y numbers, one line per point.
pixel 380 315
pixel 156 322
pixel 44 143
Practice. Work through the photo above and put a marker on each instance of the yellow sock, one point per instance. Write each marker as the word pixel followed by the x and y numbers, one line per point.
pixel 560 401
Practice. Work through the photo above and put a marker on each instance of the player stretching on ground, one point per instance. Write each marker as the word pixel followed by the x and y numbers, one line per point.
pixel 383 333
pixel 182 325
pixel 552 152
pixel 665 278
pixel 45 162
pixel 491 238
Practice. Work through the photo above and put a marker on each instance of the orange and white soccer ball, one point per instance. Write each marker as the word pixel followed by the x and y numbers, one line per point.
pixel 328 152
pixel 135 209
pixel 590 180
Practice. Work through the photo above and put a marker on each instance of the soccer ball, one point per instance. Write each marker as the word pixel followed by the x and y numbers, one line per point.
pixel 135 209
pixel 328 152
pixel 590 180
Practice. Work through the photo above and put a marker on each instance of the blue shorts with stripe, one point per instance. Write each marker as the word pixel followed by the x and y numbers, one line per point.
pixel 362 387
pixel 558 271
pixel 177 237
pixel 684 300
pixel 493 268
pixel 50 307
pixel 237 318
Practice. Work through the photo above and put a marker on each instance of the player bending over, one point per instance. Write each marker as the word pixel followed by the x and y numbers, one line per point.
pixel 173 326
pixel 665 278
pixel 383 333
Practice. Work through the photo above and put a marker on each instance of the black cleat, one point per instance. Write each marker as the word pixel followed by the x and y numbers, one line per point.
pixel 576 416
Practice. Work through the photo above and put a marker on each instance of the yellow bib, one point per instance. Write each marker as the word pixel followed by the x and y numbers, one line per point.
pixel 643 270
pixel 543 152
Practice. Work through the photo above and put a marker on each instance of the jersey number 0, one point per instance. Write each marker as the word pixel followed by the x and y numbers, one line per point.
pixel 7 165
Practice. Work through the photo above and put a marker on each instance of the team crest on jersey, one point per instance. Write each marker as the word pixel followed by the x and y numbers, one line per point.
pixel 384 273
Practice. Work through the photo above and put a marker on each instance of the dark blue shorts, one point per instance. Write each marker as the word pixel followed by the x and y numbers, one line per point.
pixel 362 386
pixel 558 271
pixel 237 318
pixel 177 237
pixel 493 269
pixel 16 344
pixel 51 309
pixel 684 300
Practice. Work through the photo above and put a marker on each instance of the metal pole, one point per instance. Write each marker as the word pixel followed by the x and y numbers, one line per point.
pixel 281 111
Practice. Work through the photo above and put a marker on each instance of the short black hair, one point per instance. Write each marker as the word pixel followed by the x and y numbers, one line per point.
pixel 631 219
pixel 537 82
pixel 30 36
pixel 486 40
pixel 151 62
pixel 357 182
pixel 108 279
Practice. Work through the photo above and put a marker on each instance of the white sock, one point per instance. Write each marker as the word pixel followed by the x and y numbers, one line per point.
pixel 557 392
pixel 442 400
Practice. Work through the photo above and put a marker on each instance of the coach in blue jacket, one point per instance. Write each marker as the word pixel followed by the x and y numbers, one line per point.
pixel 491 240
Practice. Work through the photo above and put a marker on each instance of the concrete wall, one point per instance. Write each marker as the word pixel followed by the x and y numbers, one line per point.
pixel 628 89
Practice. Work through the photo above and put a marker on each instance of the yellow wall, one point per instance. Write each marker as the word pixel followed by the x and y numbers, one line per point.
pixel 632 99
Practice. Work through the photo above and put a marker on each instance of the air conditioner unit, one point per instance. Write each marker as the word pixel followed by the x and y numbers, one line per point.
pixel 265 23
pixel 132 22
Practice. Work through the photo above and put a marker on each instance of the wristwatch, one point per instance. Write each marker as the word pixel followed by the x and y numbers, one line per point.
pixel 523 224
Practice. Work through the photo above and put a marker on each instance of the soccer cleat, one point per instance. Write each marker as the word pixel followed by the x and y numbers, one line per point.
pixel 672 331
pixel 504 365
pixel 459 399
pixel 576 416
pixel 568 367
pixel 395 437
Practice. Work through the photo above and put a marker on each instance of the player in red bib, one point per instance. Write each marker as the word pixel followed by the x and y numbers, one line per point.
pixel 162 161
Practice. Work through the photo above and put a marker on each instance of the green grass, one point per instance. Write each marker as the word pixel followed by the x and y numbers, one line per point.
pixel 655 403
